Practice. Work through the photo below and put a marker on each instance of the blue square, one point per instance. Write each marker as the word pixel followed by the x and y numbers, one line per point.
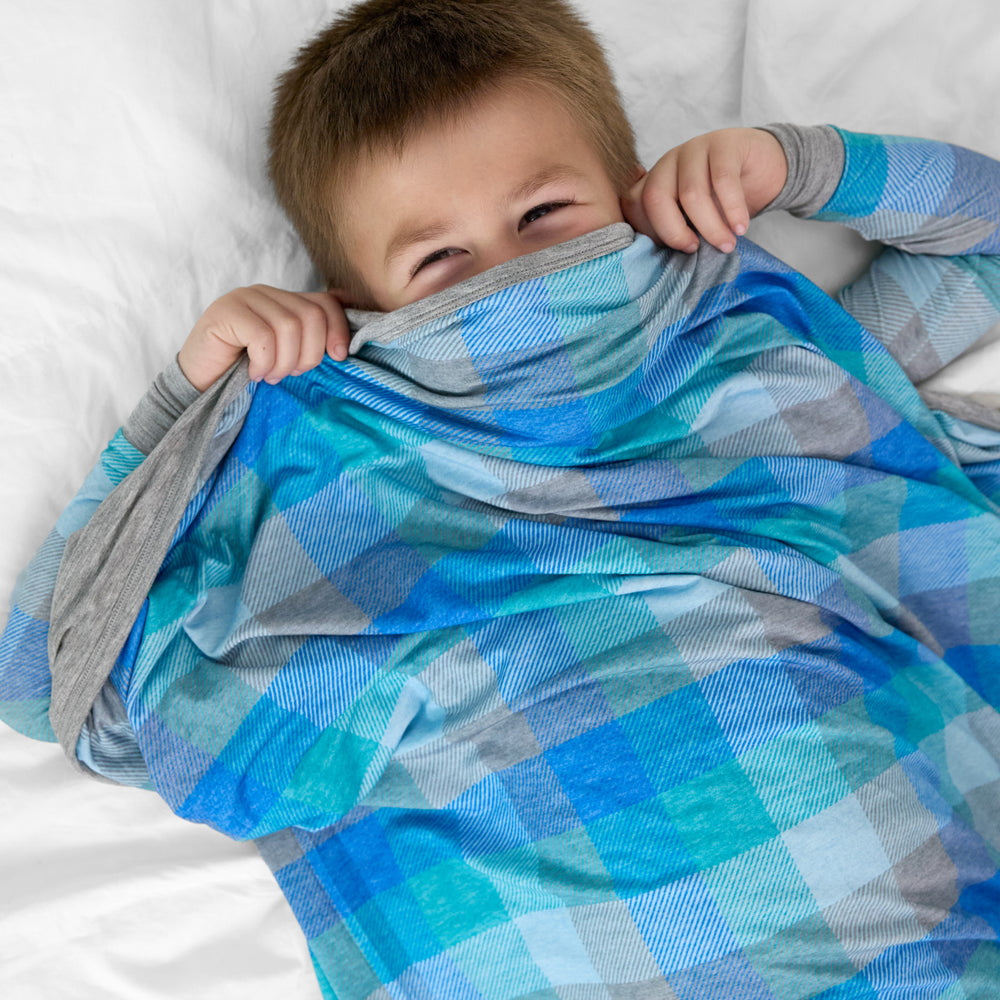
pixel 433 979
pixel 755 702
pixel 344 878
pixel 933 558
pixel 945 613
pixel 175 765
pixel 677 737
pixel 527 653
pixel 270 410
pixel 368 847
pixel 600 772
pixel 640 864
pixel 820 674
pixel 230 802
pixel 576 705
pixel 309 900
pixel 432 602
pixel 269 744
pixel 405 921
pixel 421 838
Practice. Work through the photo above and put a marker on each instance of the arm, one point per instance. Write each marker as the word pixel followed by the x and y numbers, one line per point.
pixel 918 195
pixel 936 288
pixel 924 199
pixel 25 680
pixel 283 333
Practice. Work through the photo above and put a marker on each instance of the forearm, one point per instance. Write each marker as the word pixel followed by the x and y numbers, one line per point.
pixel 165 400
pixel 918 195
pixel 24 658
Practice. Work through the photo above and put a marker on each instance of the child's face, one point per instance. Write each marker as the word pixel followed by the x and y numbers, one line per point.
pixel 512 174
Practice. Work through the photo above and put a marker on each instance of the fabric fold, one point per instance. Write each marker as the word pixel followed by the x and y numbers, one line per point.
pixel 630 595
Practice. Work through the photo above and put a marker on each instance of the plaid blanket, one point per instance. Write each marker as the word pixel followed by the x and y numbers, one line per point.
pixel 629 631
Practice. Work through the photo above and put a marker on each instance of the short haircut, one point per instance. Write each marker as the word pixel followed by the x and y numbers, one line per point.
pixel 383 68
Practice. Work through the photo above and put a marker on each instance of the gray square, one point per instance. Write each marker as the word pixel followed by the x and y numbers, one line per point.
pixel 616 948
pixel 927 879
pixel 873 919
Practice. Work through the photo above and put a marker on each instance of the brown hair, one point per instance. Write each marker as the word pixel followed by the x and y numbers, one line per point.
pixel 384 67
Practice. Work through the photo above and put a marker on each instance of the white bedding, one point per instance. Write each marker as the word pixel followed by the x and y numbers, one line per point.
pixel 133 192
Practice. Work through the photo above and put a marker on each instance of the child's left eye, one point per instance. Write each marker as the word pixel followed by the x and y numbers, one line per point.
pixel 533 214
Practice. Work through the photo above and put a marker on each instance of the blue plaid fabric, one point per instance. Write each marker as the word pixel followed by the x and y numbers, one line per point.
pixel 630 632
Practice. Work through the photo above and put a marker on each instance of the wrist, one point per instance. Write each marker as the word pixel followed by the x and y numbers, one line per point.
pixel 770 173
pixel 815 158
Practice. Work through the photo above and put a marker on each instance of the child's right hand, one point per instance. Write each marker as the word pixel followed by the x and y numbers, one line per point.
pixel 283 333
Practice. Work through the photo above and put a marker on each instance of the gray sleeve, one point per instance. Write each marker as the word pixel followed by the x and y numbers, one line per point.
pixel 815 155
pixel 165 400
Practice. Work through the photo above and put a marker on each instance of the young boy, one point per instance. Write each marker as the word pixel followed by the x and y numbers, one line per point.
pixel 522 144
pixel 626 633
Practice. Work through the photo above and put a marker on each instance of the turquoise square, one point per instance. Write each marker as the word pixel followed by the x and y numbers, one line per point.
pixel 719 815
pixel 457 901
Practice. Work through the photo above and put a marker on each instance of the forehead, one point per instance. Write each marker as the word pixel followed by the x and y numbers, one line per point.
pixel 506 135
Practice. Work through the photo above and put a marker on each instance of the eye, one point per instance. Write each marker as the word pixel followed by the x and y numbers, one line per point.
pixel 534 214
pixel 432 258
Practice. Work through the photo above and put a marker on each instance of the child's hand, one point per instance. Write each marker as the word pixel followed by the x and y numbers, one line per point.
pixel 712 185
pixel 283 333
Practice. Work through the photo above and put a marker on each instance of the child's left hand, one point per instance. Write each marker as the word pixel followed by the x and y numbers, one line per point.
pixel 712 185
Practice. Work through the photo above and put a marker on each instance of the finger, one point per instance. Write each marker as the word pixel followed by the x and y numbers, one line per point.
pixel 256 337
pixel 338 334
pixel 659 203
pixel 278 311
pixel 313 321
pixel 725 169
pixel 697 198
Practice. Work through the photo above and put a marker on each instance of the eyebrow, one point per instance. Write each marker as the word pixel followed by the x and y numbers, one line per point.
pixel 409 236
pixel 547 175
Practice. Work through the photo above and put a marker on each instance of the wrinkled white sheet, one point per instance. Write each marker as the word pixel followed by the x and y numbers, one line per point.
pixel 133 192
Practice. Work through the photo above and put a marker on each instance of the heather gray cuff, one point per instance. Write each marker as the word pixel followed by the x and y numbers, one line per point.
pixel 165 400
pixel 815 155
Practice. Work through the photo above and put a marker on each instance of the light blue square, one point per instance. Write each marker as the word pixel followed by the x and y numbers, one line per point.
pixel 556 947
pixel 837 851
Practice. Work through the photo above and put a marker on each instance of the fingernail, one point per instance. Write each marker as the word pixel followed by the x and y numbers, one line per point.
pixel 739 229
pixel 727 247
pixel 691 247
pixel 295 371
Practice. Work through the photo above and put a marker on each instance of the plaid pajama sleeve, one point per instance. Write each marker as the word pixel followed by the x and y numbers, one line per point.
pixel 627 631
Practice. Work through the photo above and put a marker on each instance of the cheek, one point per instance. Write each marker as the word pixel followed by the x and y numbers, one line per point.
pixel 602 213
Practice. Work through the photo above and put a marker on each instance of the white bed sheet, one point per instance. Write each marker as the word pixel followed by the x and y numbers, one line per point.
pixel 133 192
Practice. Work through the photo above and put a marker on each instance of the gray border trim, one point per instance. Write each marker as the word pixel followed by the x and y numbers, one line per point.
pixel 110 564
